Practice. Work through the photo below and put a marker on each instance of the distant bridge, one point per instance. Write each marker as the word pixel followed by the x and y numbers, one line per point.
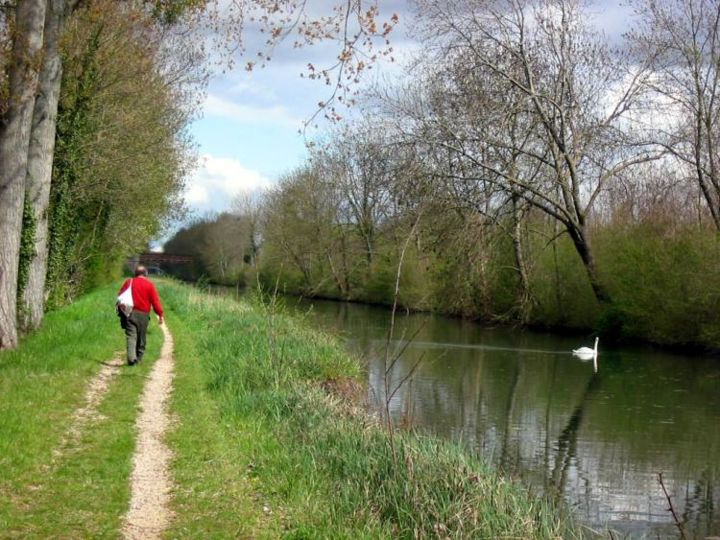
pixel 153 261
pixel 159 258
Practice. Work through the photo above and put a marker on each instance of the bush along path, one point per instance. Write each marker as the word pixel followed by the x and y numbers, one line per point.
pixel 150 483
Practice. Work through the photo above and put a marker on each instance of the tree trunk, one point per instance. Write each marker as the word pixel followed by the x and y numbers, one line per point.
pixel 336 276
pixel 524 299
pixel 14 140
pixel 583 249
pixel 40 162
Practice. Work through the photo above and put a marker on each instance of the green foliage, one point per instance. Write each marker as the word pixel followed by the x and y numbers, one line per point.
pixel 74 124
pixel 380 282
pixel 453 288
pixel 665 282
pixel 59 244
pixel 122 149
pixel 560 284
pixel 502 278
pixel 27 249
pixel 289 280
pixel 169 12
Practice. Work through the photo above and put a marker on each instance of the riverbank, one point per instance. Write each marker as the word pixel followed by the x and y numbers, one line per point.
pixel 659 278
pixel 265 439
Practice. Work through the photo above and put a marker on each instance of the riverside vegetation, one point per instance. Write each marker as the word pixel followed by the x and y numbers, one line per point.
pixel 661 271
pixel 546 173
pixel 264 444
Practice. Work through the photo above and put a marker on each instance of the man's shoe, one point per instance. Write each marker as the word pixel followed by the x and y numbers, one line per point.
pixel 132 362
pixel 139 359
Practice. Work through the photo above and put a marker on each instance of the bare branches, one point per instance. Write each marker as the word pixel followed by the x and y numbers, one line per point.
pixel 681 42
pixel 671 508
pixel 356 27
pixel 534 103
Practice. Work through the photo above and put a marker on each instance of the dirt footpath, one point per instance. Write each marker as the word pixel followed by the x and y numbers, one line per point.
pixel 150 482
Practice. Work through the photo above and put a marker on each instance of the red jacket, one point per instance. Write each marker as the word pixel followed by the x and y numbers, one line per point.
pixel 144 295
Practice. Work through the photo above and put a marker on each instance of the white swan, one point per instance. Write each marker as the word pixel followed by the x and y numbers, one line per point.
pixel 586 353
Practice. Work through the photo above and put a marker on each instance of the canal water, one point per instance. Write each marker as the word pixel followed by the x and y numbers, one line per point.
pixel 598 440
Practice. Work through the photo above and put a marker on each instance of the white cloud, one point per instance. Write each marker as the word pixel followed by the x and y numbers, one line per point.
pixel 240 85
pixel 254 113
pixel 218 181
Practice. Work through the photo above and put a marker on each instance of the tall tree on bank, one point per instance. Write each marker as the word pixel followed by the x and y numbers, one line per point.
pixel 15 127
pixel 577 98
pixel 40 163
pixel 122 150
pixel 363 165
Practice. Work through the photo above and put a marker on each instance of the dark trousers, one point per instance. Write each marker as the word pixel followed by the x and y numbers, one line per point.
pixel 135 333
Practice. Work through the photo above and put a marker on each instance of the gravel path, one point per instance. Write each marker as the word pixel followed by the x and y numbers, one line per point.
pixel 150 482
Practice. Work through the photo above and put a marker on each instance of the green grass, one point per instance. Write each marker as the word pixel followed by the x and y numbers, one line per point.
pixel 214 498
pixel 260 448
pixel 263 451
pixel 82 491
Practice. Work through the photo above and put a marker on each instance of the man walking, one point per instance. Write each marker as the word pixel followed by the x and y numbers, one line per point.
pixel 144 296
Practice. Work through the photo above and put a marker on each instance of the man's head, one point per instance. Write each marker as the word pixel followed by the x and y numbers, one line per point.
pixel 140 270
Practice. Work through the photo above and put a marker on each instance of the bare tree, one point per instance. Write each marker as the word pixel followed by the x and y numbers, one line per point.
pixel 224 245
pixel 248 207
pixel 540 108
pixel 299 220
pixel 362 165
pixel 681 39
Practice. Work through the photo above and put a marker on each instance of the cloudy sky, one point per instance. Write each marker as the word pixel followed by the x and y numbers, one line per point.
pixel 248 134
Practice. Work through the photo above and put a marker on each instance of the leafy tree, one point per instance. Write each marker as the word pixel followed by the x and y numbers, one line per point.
pixel 122 149
pixel 298 221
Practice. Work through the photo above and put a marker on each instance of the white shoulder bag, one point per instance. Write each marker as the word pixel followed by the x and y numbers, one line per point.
pixel 125 300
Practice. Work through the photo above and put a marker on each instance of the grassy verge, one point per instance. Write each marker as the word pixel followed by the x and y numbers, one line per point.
pixel 262 449
pixel 79 490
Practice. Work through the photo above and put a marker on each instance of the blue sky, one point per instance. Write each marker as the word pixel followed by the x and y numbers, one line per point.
pixel 247 137
pixel 248 134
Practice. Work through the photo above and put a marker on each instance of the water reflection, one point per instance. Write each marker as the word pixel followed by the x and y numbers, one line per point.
pixel 598 440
